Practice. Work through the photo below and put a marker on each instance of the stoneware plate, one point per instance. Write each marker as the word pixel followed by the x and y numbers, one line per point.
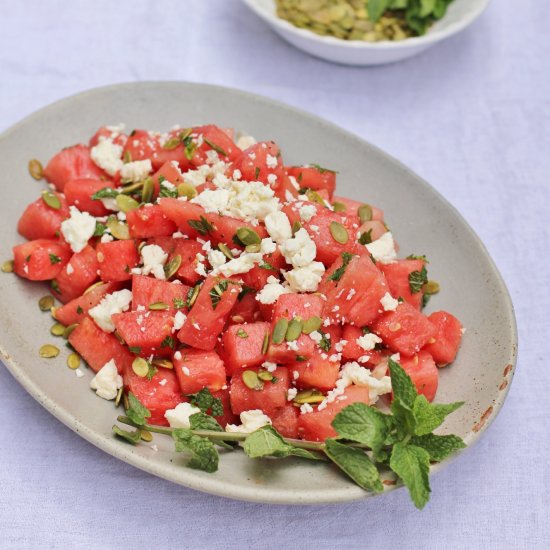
pixel 422 220
pixel 461 14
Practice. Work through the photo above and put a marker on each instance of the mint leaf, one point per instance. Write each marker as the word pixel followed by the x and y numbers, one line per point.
pixel 417 279
pixel 439 447
pixel 430 416
pixel 100 229
pixel 412 465
pixel 204 455
pixel 136 412
pixel 205 401
pixel 105 193
pixel 131 437
pixel 404 418
pixel 363 424
pixel 356 464
pixel 376 9
pixel 339 273
pixel 202 421
pixel 203 226
pixel 402 385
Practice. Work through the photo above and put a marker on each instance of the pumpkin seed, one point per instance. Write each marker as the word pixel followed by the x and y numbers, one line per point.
pixel 296 226
pixel 312 324
pixel 140 366
pixel 251 380
pixel 187 190
pixel 67 332
pixel 279 331
pixel 248 236
pixel 265 343
pixel 225 250
pixel 52 312
pixel 309 396
pixel 45 303
pixel 118 229
pixel 47 351
pixel 163 363
pixel 7 266
pixel 73 361
pixel 126 203
pixel 294 330
pixel 339 232
pixel 35 169
pixel 127 157
pixel 57 329
pixel 94 286
pixel 253 248
pixel 172 143
pixel 313 196
pixel 194 296
pixel 171 268
pixel 339 207
pixel 146 436
pixel 119 396
pixel 431 287
pixel 132 187
pixel 148 190
pixel 265 375
pixel 365 213
pixel 125 401
pixel 51 200
pixel 158 306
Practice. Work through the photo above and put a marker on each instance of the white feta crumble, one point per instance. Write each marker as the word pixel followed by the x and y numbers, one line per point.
pixel 243 264
pixel 216 258
pixel 271 161
pixel 106 238
pixel 136 170
pixel 107 381
pixel 186 371
pixel 306 408
pixel 272 179
pixel 316 336
pixel 269 366
pixel 108 156
pixel 179 417
pixel 237 174
pixel 268 246
pixel 299 250
pixel 154 258
pixel 307 278
pixel 307 212
pixel 252 201
pixel 295 375
pixel 293 345
pixel 291 394
pixel 355 374
pixel 200 268
pixel 78 229
pixel 244 142
pixel 177 356
pixel 179 319
pixel 250 422
pixel 395 357
pixel 383 249
pixel 364 359
pixel 69 269
pixel 79 373
pixel 278 226
pixel 270 293
pixel 163 382
pixel 368 341
pixel 389 303
pixel 117 302
pixel 213 200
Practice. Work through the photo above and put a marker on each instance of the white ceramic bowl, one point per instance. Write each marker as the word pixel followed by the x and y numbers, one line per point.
pixel 460 14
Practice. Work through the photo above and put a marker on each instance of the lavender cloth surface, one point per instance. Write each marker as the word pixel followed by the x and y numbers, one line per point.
pixel 471 115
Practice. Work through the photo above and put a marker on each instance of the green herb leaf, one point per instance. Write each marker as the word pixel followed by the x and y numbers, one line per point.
pixel 179 303
pixel 151 372
pixel 365 237
pixel 216 147
pixel 132 437
pixel 54 259
pixel 105 193
pixel 244 291
pixel 136 412
pixel 266 265
pixel 404 417
pixel 356 464
pixel 190 147
pixel 216 292
pixel 402 385
pixel 168 191
pixel 203 421
pixel 439 447
pixel 100 229
pixel 430 416
pixel 204 455
pixel 205 401
pixel 325 343
pixel 203 226
pixel 376 9
pixel 417 279
pixel 412 465
pixel 338 273
pixel 322 170
pixel 168 342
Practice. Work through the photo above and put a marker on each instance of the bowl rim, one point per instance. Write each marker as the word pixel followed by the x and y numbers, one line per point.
pixel 210 484
pixel 414 41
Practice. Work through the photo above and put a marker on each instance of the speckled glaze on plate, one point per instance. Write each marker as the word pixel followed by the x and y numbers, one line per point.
pixel 422 220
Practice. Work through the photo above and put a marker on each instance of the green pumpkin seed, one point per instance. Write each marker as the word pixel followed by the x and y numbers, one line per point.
pixel 126 203
pixel 146 436
pixel 125 401
pixel 35 169
pixel 253 248
pixel 312 324
pixel 279 331
pixel 47 351
pixel 265 343
pixel 225 250
pixel 339 207
pixel 140 367
pixel 308 396
pixel 171 268
pixel 94 286
pixel 187 190
pixel 51 200
pixel 118 229
pixel 172 143
pixel 132 187
pixel 248 236
pixel 163 363
pixel 313 196
pixel 194 296
pixel 52 312
pixel 7 266
pixel 365 213
pixel 159 306
pixel 127 157
pixel 296 226
pixel 148 190
pixel 67 332
pixel 339 232
pixel 73 361
pixel 251 380
pixel 45 303
pixel 119 396
pixel 264 375
pixel 431 287
pixel 294 330
pixel 241 333
pixel 57 329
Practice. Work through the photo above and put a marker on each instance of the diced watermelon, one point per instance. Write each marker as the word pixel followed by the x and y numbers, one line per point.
pixel 353 351
pixel 447 338
pixel 105 132
pixel 148 290
pixel 318 372
pixel 314 177
pixel 228 417
pixel 246 310
pixel 375 229
pixel 285 421
pixel 141 145
pixel 352 208
pixel 41 259
pixel 169 172
pixel 213 138
pixel 79 193
pixel 423 372
pixel 397 276
pixel 257 277
pixel 163 155
pixel 116 260
pixel 197 369
pixel 243 344
pixel 149 221
pixel 40 221
pixel 181 213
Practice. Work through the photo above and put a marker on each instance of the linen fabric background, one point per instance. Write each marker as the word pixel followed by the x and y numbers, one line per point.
pixel 471 115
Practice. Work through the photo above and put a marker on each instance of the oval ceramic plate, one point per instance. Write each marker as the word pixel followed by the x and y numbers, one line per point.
pixel 422 220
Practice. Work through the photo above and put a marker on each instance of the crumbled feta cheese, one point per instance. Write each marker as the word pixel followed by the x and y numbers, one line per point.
pixel 69 269
pixel 364 359
pixel 355 374
pixel 299 250
pixel 107 381
pixel 268 246
pixel 244 142
pixel 106 238
pixel 368 341
pixel 307 212
pixel 179 319
pixel 271 161
pixel 197 177
pixel 272 179
pixel 316 336
pixel 121 216
pixel 164 381
pixel 306 408
pixel 278 226
pixel 186 371
pixel 78 229
pixel 291 394
pixel 305 279
pixel 383 249
pixel 135 171
pixel 216 258
pixel 79 373
pixel 108 156
pixel 293 345
pixel 295 375
pixel 389 303
pixel 250 422
pixel 154 258
pixel 237 174
pixel 395 357
pixel 177 356
pixel 200 268
pixel 252 201
pixel 243 264
pixel 269 366
pixel 179 417
pixel 270 293
pixel 110 204
pixel 117 302
pixel 212 156
pixel 213 200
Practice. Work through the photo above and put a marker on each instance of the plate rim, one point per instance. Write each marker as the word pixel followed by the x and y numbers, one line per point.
pixel 209 484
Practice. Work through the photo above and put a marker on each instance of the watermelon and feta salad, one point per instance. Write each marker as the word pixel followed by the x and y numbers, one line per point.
pixel 230 300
